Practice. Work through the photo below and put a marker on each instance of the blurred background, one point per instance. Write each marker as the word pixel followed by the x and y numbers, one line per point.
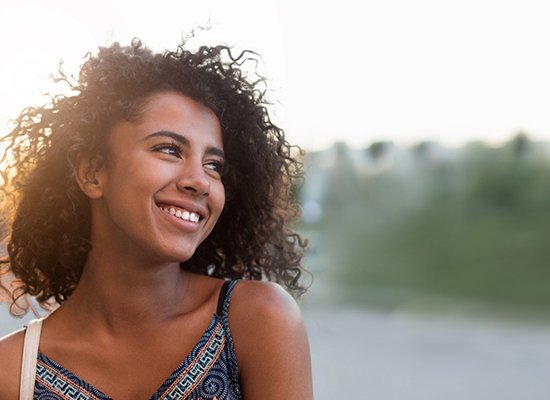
pixel 427 190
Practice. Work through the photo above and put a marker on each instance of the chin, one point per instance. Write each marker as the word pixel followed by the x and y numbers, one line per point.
pixel 176 249
pixel 169 256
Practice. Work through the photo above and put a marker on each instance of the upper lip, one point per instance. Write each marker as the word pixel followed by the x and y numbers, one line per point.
pixel 187 205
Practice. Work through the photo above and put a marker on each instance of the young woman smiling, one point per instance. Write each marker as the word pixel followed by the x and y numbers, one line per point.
pixel 146 211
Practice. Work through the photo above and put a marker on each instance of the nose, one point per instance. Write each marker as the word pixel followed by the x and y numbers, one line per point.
pixel 193 179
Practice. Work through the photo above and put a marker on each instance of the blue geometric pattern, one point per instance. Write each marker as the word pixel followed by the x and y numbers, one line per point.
pixel 187 380
pixel 209 372
pixel 54 382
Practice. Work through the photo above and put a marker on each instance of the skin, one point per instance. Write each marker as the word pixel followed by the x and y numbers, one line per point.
pixel 134 305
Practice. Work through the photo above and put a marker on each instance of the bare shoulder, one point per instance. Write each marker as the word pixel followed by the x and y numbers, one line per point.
pixel 262 314
pixel 11 350
pixel 264 302
pixel 270 342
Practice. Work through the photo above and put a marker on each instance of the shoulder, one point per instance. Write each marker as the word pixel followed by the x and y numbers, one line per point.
pixel 263 316
pixel 263 302
pixel 270 342
pixel 11 351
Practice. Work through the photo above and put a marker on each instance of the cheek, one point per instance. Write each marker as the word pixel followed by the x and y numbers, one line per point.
pixel 221 199
pixel 218 201
pixel 130 189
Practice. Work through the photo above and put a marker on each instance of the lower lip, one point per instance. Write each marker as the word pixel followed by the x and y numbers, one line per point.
pixel 186 226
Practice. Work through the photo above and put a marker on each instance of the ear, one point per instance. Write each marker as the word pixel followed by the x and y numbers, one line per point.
pixel 89 176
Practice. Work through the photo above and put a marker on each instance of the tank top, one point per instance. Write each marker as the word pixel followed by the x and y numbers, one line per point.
pixel 208 372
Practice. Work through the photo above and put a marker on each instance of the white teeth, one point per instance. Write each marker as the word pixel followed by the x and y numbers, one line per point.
pixel 184 215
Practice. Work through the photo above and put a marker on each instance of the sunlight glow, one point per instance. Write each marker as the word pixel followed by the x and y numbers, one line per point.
pixel 346 71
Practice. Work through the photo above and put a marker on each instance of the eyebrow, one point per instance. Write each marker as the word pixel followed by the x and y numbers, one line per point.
pixel 212 150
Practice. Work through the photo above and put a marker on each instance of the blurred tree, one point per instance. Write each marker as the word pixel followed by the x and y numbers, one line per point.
pixel 342 179
pixel 520 145
pixel 511 177
pixel 479 230
pixel 378 149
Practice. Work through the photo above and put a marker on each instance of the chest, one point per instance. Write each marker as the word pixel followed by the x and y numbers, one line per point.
pixel 123 373
pixel 151 371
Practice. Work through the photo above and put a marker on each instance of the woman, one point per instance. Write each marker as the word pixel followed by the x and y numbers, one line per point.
pixel 130 202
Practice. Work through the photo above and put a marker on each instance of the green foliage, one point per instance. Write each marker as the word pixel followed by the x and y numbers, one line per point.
pixel 477 226
pixel 378 149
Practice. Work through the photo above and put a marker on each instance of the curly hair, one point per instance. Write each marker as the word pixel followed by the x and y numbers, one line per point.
pixel 47 217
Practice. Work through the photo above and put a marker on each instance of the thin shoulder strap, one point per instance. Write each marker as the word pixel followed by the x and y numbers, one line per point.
pixel 221 297
pixel 30 353
pixel 225 297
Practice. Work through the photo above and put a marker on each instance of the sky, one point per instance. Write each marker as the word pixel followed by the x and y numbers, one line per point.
pixel 354 71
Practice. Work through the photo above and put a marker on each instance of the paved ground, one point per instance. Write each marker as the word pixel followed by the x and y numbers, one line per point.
pixel 359 354
pixel 362 354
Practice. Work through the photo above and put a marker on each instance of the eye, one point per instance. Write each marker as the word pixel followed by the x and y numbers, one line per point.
pixel 172 149
pixel 216 166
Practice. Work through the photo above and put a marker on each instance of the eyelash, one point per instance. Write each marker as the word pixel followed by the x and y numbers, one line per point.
pixel 172 149
pixel 219 166
pixel 176 150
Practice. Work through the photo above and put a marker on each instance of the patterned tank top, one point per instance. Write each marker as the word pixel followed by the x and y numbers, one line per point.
pixel 209 372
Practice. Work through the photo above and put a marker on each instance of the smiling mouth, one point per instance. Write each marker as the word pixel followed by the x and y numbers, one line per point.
pixel 181 213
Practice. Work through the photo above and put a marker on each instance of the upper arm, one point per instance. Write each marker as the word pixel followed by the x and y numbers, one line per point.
pixel 11 350
pixel 270 342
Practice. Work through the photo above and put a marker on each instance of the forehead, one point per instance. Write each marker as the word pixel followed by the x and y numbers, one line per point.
pixel 173 107
pixel 173 112
pixel 173 102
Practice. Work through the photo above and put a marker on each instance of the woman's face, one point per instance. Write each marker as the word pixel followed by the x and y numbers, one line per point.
pixel 161 188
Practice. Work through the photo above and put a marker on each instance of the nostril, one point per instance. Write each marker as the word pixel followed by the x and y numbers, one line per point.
pixel 197 184
pixel 198 189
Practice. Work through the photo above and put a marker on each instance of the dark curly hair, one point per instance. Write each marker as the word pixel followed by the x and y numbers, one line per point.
pixel 47 217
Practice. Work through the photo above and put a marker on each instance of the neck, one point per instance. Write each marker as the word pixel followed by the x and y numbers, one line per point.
pixel 118 293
